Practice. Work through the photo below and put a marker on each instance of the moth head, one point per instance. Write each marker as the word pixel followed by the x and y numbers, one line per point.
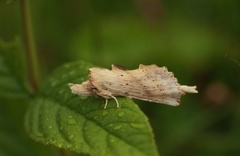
pixel 84 89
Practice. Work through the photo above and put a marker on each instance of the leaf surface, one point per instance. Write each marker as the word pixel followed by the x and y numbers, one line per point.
pixel 81 124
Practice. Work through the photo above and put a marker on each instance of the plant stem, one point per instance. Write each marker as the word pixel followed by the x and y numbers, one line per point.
pixel 30 50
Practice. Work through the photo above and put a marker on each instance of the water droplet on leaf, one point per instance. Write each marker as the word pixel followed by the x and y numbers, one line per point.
pixel 77 146
pixel 112 140
pixel 118 127
pixel 71 120
pixel 39 135
pixel 60 145
pixel 121 114
pixel 83 97
pixel 137 125
pixel 104 113
pixel 69 145
pixel 71 136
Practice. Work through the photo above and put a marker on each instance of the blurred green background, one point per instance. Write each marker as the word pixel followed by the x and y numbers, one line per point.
pixel 191 38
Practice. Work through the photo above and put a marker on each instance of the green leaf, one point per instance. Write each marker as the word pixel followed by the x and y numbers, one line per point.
pixel 81 124
pixel 12 70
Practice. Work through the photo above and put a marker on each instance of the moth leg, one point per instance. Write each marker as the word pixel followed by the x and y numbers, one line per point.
pixel 115 100
pixel 107 96
pixel 105 106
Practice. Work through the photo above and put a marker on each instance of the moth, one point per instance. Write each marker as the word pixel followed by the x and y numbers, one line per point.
pixel 148 82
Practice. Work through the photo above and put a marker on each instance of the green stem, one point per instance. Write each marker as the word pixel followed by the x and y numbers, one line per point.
pixel 30 50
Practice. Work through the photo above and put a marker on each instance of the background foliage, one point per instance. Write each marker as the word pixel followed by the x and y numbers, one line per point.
pixel 191 38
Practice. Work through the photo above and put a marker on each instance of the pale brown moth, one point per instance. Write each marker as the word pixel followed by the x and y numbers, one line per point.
pixel 148 83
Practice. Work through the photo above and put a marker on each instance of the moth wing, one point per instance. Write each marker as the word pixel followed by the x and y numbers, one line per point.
pixel 148 83
pixel 104 81
pixel 155 84
pixel 115 82
pixel 81 89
